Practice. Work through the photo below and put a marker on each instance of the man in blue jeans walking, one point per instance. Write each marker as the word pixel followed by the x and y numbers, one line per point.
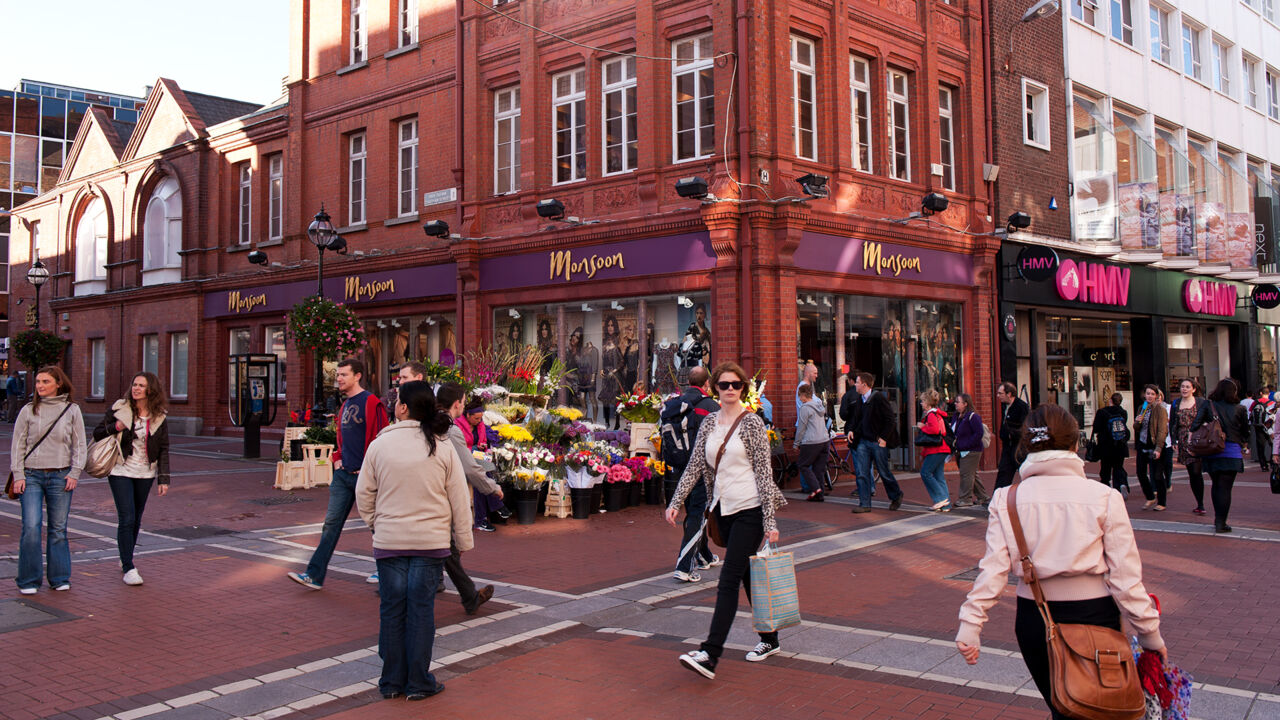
pixel 871 427
pixel 360 418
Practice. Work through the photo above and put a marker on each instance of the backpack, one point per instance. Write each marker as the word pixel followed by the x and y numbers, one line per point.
pixel 673 419
pixel 987 436
pixel 1119 429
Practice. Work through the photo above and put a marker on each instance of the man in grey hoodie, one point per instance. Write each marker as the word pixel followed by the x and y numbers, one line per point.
pixel 811 442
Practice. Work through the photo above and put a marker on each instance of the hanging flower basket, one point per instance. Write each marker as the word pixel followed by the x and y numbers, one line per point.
pixel 326 327
pixel 38 348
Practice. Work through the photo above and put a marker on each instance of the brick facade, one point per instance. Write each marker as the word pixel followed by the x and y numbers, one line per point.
pixel 754 230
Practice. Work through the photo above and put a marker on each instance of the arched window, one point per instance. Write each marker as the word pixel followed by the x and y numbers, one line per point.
pixel 162 233
pixel 91 249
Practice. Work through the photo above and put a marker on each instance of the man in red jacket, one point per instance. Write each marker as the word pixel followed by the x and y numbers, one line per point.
pixel 360 418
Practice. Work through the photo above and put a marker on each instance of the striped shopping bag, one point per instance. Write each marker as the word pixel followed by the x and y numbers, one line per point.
pixel 774 602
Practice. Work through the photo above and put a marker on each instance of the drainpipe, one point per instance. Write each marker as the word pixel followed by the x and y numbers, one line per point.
pixel 460 318
pixel 746 298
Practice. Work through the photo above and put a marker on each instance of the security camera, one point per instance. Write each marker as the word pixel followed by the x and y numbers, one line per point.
pixel 1043 8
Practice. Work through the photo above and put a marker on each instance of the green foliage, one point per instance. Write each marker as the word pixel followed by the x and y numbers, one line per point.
pixel 320 435
pixel 38 348
pixel 322 325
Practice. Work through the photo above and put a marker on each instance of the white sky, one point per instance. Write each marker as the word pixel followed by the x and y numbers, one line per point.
pixel 232 48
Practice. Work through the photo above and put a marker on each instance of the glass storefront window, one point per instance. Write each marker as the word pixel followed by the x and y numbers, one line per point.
pixel 1086 361
pixel 1266 359
pixel 605 348
pixel 1193 352
pixel 399 340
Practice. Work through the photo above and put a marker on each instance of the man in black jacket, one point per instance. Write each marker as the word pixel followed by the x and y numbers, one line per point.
pixel 681 418
pixel 1015 414
pixel 871 428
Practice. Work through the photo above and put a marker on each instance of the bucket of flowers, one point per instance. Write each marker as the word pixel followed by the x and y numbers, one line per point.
pixel 653 486
pixel 580 466
pixel 617 486
pixel 642 410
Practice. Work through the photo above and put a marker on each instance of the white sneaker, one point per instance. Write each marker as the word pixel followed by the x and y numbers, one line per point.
pixel 686 576
pixel 133 577
pixel 761 651
pixel 28 591
pixel 715 561
pixel 63 587
pixel 372 579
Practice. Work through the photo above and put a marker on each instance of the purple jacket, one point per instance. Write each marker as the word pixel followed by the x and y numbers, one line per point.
pixel 968 430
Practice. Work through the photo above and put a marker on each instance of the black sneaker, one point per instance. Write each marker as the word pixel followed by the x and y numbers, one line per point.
pixel 503 512
pixel 762 650
pixel 486 526
pixel 699 662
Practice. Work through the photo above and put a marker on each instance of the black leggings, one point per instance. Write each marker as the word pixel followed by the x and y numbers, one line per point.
pixel 1029 629
pixel 1196 479
pixel 1151 477
pixel 130 495
pixel 742 533
pixel 1222 483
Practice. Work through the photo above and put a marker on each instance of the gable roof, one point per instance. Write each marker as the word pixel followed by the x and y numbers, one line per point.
pixel 99 143
pixel 213 110
pixel 182 115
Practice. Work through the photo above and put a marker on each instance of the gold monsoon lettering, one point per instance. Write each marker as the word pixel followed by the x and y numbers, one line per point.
pixel 874 259
pixel 238 303
pixel 562 263
pixel 355 291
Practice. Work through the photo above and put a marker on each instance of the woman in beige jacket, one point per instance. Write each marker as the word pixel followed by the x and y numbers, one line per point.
pixel 1081 544
pixel 413 495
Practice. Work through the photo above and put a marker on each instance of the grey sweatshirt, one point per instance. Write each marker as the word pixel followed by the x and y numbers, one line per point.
pixel 811 428
pixel 65 446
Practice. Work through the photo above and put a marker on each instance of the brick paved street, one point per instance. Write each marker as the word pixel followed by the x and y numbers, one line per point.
pixel 586 622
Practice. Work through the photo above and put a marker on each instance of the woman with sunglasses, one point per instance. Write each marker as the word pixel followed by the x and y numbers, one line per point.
pixel 743 501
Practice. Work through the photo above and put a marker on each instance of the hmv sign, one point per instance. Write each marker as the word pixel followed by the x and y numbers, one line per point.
pixel 1037 263
pixel 1209 297
pixel 1093 283
pixel 1266 297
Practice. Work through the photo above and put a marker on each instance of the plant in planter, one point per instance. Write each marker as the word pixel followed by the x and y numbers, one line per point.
pixel 321 435
pixel 323 326
pixel 640 407
pixel 38 348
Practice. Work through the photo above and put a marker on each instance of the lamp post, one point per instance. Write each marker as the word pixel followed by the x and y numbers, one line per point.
pixel 321 234
pixel 37 275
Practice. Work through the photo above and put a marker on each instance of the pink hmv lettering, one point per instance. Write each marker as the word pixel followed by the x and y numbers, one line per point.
pixel 1208 297
pixel 1087 282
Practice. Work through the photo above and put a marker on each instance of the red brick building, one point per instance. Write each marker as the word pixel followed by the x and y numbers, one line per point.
pixel 602 107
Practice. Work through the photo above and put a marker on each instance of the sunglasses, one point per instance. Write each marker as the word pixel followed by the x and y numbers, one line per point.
pixel 730 384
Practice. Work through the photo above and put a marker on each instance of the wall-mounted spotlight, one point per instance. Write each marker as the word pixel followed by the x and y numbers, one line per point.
pixel 257 257
pixel 1018 221
pixel 586 307
pixel 684 302
pixel 813 185
pixel 826 301
pixel 431 320
pixel 615 305
pixel 395 323
pixel 933 203
pixel 694 188
pixel 513 313
pixel 436 229
pixel 808 300
pixel 382 325
pixel 550 209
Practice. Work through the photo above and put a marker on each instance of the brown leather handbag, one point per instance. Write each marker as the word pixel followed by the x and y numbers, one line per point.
pixel 1092 673
pixel 1208 439
pixel 711 516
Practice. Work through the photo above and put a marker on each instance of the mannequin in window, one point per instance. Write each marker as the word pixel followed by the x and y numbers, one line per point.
pixel 571 356
pixel 665 367
pixel 546 344
pixel 610 369
pixel 515 337
pixel 695 347
pixel 588 361
pixel 630 361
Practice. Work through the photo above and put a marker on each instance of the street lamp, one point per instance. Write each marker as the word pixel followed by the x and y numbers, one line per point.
pixel 37 275
pixel 321 234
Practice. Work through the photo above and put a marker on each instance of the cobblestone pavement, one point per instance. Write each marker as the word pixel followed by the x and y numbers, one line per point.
pixel 586 621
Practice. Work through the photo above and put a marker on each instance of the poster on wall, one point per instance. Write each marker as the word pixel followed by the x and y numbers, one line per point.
pixel 1106 378
pixel 508 334
pixel 1095 205
pixel 1086 394
pixel 1139 216
pixel 1168 225
pixel 892 348
pixel 1240 240
pixel 1211 223
pixel 1184 221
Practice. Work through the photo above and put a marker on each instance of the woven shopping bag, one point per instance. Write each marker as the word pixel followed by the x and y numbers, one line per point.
pixel 774 602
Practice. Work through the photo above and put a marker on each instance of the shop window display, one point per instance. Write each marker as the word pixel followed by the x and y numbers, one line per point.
pixel 1086 361
pixel 1266 359
pixel 605 349
pixel 395 341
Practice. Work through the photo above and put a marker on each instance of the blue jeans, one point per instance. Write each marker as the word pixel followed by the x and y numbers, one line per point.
pixel 342 495
pixel 935 481
pixel 45 488
pixel 870 451
pixel 695 504
pixel 407 629
pixel 130 495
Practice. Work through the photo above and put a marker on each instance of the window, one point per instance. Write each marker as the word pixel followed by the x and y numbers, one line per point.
pixel 1249 81
pixel 246 203
pixel 803 97
pixel 1273 94
pixel 408 21
pixel 97 367
pixel 946 136
pixel 693 107
pixel 1035 114
pixel 355 179
pixel 1085 11
pixel 1122 21
pixel 1094 171
pixel 1161 44
pixel 238 341
pixel 899 125
pixel 506 141
pixel 860 94
pixel 1221 67
pixel 178 365
pixel 620 153
pixel 359 33
pixel 162 227
pixel 1191 51
pixel 273 343
pixel 91 243
pixel 275 197
pixel 569 124
pixel 408 167
pixel 151 353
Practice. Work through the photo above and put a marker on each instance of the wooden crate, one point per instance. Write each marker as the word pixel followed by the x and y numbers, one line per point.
pixel 318 460
pixel 291 476
pixel 558 502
